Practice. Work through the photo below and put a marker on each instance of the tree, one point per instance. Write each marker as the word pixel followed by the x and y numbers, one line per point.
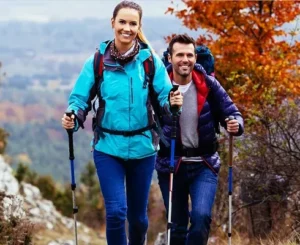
pixel 89 179
pixel 91 202
pixel 253 62
pixel 21 172
pixel 63 200
pixel 24 173
pixel 3 140
pixel 271 155
pixel 47 187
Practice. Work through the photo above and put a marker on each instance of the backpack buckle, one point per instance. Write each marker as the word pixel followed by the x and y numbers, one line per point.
pixel 147 78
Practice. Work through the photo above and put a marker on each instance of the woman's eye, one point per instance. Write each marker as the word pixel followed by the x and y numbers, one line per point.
pixel 122 21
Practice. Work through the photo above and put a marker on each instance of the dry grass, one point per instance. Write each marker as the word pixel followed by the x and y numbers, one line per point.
pixel 293 240
pixel 16 232
pixel 14 229
pixel 60 232
pixel 220 238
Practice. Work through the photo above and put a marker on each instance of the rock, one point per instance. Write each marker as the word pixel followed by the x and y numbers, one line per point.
pixel 32 206
pixel 8 183
pixel 61 242
pixel 12 207
pixel 161 239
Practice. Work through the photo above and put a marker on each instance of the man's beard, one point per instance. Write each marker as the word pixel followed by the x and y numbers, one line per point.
pixel 184 74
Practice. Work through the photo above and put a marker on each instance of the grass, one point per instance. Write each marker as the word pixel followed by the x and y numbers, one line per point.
pixel 61 232
pixel 220 238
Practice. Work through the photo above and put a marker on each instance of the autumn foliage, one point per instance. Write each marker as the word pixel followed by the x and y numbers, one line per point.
pixel 256 59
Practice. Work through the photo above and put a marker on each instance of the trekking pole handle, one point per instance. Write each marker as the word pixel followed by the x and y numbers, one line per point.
pixel 175 88
pixel 174 109
pixel 229 119
pixel 230 145
pixel 70 135
pixel 174 116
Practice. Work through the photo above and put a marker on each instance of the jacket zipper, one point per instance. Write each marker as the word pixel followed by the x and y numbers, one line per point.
pixel 131 90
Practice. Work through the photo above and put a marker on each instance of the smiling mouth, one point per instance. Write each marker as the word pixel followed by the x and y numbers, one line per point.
pixel 184 67
pixel 125 35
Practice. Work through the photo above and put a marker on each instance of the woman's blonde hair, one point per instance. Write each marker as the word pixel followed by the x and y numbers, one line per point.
pixel 132 5
pixel 143 39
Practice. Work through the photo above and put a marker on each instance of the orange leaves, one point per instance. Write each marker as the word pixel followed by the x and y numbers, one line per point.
pixel 169 10
pixel 251 63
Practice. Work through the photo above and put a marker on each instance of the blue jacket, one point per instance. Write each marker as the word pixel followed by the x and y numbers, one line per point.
pixel 219 103
pixel 127 106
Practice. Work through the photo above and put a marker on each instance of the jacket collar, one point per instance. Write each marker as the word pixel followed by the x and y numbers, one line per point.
pixel 143 54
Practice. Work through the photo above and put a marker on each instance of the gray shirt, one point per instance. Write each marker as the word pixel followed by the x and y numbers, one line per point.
pixel 189 119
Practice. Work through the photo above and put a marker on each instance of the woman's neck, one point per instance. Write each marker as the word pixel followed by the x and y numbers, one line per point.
pixel 123 48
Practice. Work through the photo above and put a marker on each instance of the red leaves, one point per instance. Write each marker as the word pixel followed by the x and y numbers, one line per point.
pixel 251 63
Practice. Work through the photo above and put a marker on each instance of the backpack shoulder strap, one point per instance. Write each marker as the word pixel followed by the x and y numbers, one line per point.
pixel 210 100
pixel 149 70
pixel 98 69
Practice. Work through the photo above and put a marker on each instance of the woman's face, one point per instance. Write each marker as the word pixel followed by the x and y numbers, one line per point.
pixel 126 26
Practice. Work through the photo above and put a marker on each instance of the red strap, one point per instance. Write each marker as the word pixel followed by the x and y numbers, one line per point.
pixel 146 66
pixel 149 66
pixel 98 64
pixel 100 70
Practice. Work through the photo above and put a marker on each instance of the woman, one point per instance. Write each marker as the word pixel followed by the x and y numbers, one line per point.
pixel 119 158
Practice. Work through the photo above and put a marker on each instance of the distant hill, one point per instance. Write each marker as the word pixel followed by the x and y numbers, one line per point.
pixel 29 47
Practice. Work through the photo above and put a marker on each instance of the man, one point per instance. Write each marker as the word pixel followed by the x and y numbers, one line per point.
pixel 197 163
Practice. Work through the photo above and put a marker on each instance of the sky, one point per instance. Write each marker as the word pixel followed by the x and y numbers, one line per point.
pixel 49 10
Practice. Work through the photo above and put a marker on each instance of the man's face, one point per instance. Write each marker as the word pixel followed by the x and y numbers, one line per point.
pixel 183 58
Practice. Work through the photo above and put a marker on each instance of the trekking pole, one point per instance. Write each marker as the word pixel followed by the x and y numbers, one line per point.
pixel 173 138
pixel 73 184
pixel 230 183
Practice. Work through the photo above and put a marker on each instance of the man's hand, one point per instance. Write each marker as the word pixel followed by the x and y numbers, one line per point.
pixel 176 99
pixel 232 125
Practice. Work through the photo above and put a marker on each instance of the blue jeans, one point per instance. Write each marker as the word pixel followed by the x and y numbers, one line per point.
pixel 198 181
pixel 113 174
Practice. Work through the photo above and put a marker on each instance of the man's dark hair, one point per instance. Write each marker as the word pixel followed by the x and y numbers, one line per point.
pixel 181 38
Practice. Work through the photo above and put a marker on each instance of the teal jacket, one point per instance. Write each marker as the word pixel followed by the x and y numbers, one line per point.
pixel 127 106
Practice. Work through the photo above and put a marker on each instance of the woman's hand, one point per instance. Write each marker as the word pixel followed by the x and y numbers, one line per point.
pixel 68 122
